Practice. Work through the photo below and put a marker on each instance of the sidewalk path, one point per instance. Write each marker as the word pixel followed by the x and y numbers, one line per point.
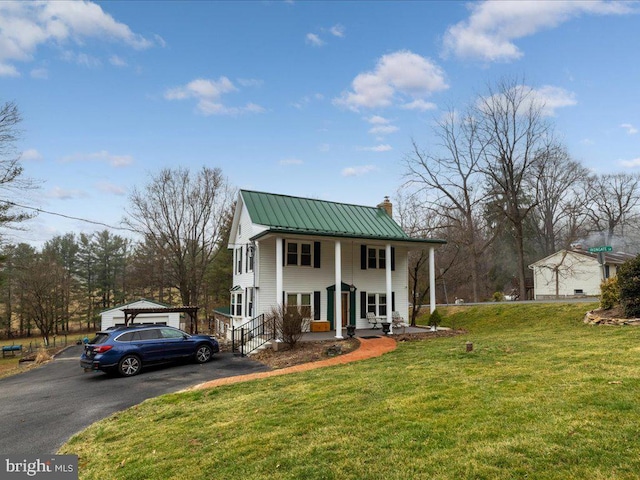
pixel 369 348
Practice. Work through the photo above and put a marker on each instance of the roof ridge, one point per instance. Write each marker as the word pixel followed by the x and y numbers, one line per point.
pixel 297 197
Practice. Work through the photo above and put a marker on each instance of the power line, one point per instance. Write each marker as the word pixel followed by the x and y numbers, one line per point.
pixel 40 210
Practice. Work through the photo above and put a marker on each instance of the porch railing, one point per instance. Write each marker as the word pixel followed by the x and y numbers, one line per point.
pixel 250 336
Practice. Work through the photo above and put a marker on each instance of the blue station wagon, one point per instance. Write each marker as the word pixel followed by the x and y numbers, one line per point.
pixel 126 350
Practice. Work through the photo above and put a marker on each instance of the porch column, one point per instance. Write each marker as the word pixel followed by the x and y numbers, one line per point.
pixel 387 269
pixel 432 280
pixel 338 294
pixel 279 284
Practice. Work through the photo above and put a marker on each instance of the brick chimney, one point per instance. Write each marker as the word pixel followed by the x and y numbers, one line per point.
pixel 387 205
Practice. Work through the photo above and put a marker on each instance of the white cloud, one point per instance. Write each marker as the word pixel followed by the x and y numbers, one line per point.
pixel 419 104
pixel 207 93
pixel 112 188
pixel 631 130
pixel 313 39
pixel 30 155
pixel 24 26
pixel 201 88
pixel 64 194
pixel 554 97
pixel 290 161
pixel 490 30
pixel 8 70
pixel 397 75
pixel 383 129
pixel 88 61
pixel 250 82
pixel 337 30
pixel 377 120
pixel 306 100
pixel 630 163
pixel 358 171
pixel 548 97
pixel 101 156
pixel 378 148
pixel 159 40
pixel 117 61
pixel 40 73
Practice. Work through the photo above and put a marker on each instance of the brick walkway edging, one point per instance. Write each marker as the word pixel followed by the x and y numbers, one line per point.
pixel 369 348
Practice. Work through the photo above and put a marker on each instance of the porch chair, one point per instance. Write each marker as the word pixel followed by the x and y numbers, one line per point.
pixel 372 319
pixel 398 321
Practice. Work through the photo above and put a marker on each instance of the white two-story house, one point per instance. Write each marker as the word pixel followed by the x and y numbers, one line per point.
pixel 338 260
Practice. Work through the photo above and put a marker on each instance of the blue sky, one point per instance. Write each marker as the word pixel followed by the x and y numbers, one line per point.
pixel 318 99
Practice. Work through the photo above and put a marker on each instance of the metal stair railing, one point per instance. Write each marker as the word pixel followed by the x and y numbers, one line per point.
pixel 250 336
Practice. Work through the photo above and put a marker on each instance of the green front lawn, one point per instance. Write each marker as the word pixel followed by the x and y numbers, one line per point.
pixel 541 396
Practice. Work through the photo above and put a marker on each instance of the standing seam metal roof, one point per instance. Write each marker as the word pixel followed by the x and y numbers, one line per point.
pixel 282 212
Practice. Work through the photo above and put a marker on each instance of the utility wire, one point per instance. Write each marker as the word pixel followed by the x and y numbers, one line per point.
pixel 40 210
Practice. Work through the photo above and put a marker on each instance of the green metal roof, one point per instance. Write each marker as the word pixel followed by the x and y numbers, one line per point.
pixel 306 216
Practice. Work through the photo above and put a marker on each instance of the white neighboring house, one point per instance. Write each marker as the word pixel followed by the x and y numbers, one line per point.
pixel 114 317
pixel 295 251
pixel 574 273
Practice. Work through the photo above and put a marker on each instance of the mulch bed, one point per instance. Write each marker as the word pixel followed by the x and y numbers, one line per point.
pixel 305 352
pixel 426 335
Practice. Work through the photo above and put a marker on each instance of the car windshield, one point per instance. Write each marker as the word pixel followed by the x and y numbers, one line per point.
pixel 100 338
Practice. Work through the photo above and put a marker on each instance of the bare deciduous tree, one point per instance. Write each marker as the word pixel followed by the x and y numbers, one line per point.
pixel 418 220
pixel 449 180
pixel 561 185
pixel 515 137
pixel 182 215
pixel 614 202
pixel 12 181
pixel 41 280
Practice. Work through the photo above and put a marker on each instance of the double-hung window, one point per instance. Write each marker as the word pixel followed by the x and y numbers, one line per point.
pixel 301 301
pixel 236 304
pixel 249 302
pixel 300 253
pixel 376 258
pixel 377 304
pixel 239 260
pixel 249 259
pixel 372 257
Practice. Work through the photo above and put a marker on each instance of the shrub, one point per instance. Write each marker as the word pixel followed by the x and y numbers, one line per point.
pixel 609 293
pixel 629 286
pixel 291 322
pixel 435 319
pixel 498 297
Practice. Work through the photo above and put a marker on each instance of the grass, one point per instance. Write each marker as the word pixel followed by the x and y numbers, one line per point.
pixel 10 364
pixel 540 396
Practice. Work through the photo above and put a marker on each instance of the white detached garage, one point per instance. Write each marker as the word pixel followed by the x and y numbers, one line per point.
pixel 114 317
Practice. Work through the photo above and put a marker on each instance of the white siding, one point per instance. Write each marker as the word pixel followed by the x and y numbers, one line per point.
pixel 240 241
pixel 298 279
pixel 573 273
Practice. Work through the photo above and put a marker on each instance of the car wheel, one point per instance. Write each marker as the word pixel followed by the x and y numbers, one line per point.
pixel 129 365
pixel 203 354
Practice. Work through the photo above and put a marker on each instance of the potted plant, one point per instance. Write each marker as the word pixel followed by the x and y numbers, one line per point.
pixel 351 330
pixel 434 320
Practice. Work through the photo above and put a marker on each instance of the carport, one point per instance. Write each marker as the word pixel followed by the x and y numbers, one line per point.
pixel 131 313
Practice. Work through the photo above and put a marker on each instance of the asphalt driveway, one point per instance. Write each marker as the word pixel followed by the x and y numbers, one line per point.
pixel 42 408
